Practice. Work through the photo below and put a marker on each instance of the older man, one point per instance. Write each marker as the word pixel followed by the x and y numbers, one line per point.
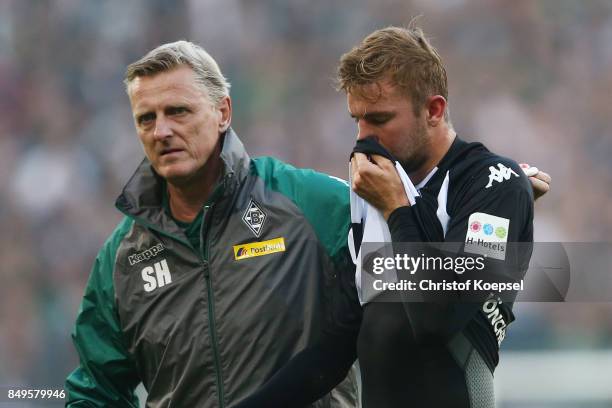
pixel 223 267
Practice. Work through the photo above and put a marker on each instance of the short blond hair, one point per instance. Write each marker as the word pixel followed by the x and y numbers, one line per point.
pixel 172 55
pixel 402 55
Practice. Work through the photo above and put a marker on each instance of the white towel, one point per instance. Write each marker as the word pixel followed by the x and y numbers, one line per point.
pixel 375 230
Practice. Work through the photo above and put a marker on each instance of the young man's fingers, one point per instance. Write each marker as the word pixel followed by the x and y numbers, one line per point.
pixel 539 186
pixel 364 164
pixel 382 161
pixel 355 161
pixel 529 170
pixel 545 177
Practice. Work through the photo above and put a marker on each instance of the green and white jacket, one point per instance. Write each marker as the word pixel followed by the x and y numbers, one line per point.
pixel 206 326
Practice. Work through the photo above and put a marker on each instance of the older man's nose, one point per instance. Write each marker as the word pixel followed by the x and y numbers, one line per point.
pixel 162 128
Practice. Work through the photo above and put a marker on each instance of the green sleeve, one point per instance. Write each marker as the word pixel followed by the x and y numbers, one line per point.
pixel 106 375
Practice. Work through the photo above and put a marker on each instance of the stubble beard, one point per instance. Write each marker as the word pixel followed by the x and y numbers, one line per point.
pixel 416 155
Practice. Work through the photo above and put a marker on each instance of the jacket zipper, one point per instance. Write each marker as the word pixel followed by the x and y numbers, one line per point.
pixel 211 306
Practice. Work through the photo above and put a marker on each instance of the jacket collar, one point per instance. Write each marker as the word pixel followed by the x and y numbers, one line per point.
pixel 142 196
pixel 236 161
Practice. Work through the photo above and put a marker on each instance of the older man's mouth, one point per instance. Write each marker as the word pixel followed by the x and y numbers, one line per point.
pixel 168 152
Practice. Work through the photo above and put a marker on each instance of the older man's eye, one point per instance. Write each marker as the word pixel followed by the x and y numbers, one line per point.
pixel 177 110
pixel 146 118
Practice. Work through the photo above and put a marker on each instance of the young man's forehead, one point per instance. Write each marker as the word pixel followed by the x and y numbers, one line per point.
pixel 377 99
pixel 377 91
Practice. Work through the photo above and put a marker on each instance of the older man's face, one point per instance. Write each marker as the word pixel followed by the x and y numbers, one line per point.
pixel 177 123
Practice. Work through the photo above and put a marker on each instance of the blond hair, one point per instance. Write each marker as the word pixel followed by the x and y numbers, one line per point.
pixel 402 55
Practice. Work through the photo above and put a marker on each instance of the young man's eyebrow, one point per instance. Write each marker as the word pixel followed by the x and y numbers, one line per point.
pixel 371 115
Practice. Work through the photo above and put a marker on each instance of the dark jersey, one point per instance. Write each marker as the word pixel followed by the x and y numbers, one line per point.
pixel 444 353
pixel 435 354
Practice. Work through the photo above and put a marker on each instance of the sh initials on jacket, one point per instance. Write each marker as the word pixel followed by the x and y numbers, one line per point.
pixel 156 276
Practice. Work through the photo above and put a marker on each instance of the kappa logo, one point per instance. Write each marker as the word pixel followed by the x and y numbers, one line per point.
pixel 156 276
pixel 254 218
pixel 145 255
pixel 499 175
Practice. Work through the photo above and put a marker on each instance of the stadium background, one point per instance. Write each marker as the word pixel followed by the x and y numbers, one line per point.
pixel 531 79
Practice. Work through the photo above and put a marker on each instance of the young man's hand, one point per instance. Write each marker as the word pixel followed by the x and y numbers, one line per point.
pixel 540 181
pixel 376 181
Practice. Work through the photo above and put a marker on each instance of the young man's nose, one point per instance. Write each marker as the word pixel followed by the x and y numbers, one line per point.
pixel 364 131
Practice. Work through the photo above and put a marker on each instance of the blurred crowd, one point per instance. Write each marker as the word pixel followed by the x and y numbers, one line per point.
pixel 530 79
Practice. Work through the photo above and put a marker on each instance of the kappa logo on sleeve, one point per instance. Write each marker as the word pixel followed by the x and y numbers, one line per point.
pixel 487 235
pixel 259 248
pixel 500 174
